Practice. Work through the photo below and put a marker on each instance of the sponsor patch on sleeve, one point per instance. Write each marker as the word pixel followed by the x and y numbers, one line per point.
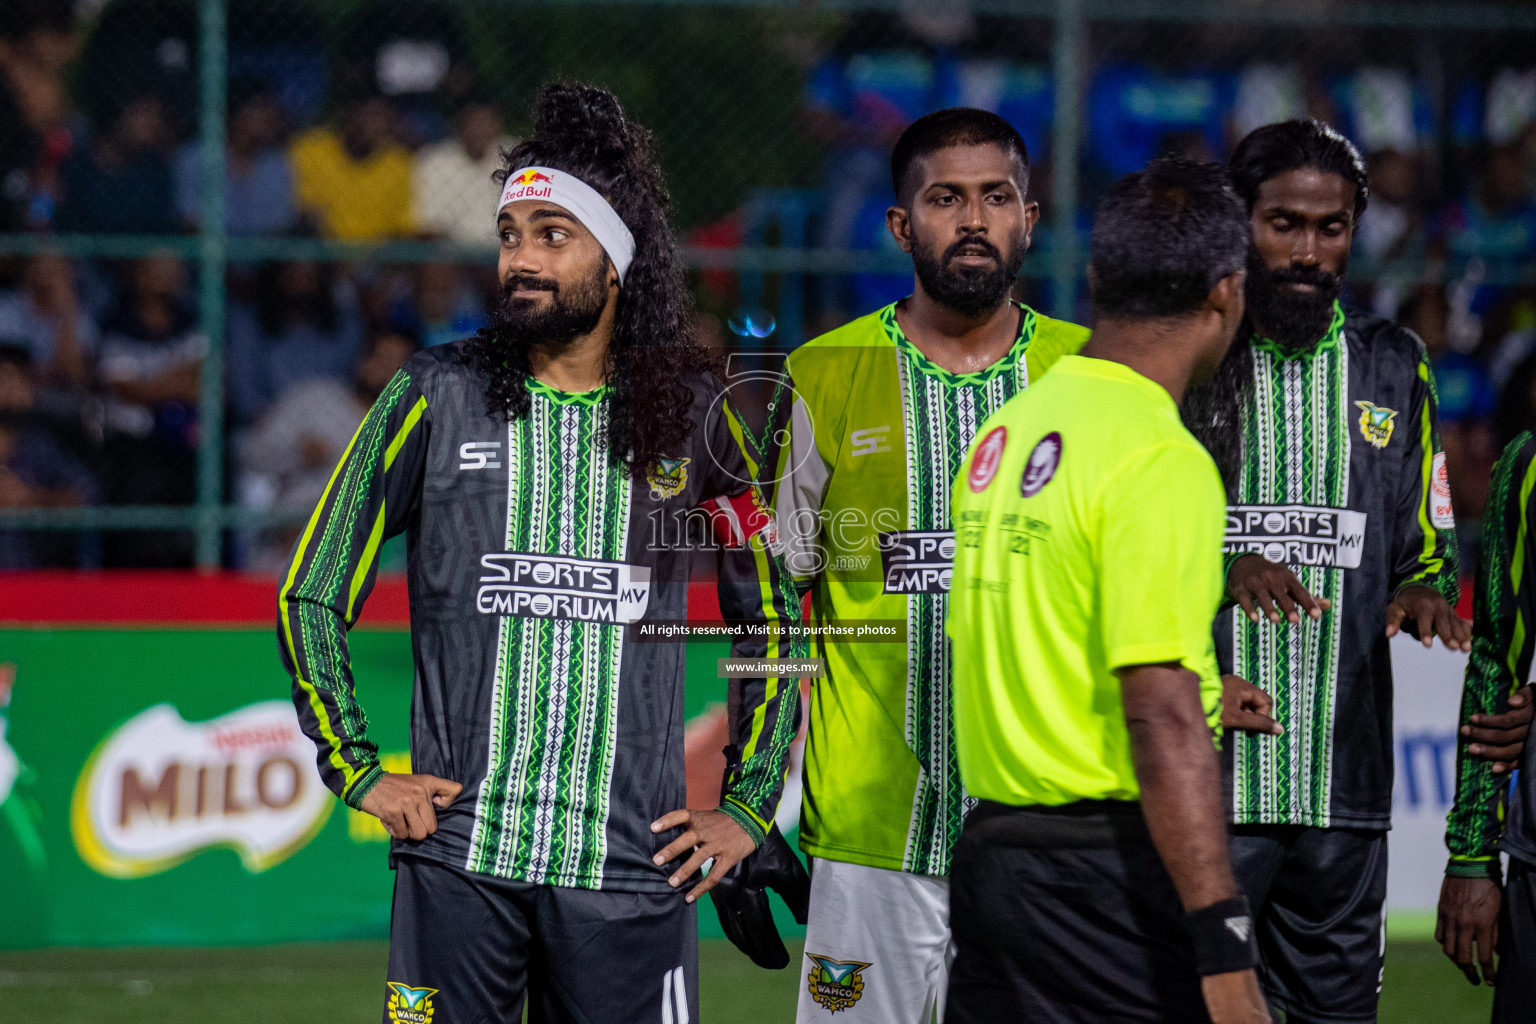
pixel 737 519
pixel 1440 512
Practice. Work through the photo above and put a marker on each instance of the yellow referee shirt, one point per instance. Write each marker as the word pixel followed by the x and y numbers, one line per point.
pixel 1088 526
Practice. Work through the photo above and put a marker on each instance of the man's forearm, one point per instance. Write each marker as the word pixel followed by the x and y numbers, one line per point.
pixel 764 712
pixel 1180 781
pixel 1475 824
pixel 761 740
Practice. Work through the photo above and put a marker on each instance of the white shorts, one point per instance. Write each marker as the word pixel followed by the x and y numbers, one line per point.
pixel 877 947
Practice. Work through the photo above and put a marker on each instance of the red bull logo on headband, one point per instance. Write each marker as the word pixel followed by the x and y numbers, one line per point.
pixel 527 184
pixel 584 203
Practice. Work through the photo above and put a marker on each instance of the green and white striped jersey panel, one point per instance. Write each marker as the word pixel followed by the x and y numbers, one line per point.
pixel 940 414
pixel 862 459
pixel 543 810
pixel 1296 440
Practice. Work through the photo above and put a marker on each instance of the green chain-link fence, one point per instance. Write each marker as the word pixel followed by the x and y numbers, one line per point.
pixel 227 195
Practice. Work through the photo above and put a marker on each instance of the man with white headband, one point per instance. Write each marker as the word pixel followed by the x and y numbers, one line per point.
pixel 541 185
pixel 547 472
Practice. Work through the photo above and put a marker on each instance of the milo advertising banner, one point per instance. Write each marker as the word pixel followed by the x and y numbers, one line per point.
pixel 159 789
pixel 155 787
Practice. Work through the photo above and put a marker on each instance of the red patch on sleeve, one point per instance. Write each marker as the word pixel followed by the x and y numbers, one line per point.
pixel 736 519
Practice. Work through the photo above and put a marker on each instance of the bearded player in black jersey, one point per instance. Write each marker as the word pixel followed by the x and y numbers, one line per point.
pixel 542 846
pixel 1339 535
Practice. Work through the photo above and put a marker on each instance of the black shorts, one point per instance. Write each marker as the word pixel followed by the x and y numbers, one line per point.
pixel 1082 926
pixel 475 947
pixel 1317 896
pixel 1515 995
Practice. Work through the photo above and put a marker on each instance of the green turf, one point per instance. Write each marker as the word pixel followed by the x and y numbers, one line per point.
pixel 340 983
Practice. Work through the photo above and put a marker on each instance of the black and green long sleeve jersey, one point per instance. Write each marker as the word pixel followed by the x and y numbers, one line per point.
pixel 1502 644
pixel 1343 481
pixel 534 562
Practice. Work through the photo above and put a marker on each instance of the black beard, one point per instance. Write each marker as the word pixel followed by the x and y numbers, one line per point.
pixel 971 292
pixel 571 312
pixel 1294 321
pixel 499 352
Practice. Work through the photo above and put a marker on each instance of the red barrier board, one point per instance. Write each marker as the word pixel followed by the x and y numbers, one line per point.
pixel 128 598
pixel 144 598
pixel 133 598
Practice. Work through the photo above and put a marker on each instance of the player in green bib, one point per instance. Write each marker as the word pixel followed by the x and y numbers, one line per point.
pixel 870 426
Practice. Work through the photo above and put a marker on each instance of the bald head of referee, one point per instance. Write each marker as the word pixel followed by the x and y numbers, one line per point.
pixel 1092 881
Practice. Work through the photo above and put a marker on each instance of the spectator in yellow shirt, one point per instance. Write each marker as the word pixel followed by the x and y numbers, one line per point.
pixel 355 184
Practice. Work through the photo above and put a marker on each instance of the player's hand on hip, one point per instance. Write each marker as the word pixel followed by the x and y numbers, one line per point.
pixel 1434 615
pixel 406 804
pixel 1234 998
pixel 1264 589
pixel 1247 708
pixel 1501 738
pixel 709 834
pixel 1467 925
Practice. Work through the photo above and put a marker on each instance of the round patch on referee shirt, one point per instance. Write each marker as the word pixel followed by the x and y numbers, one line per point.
pixel 989 455
pixel 1041 465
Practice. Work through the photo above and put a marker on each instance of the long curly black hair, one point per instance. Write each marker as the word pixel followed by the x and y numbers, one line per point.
pixel 1213 412
pixel 655 353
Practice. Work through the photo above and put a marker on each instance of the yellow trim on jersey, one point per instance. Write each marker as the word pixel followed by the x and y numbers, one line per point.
pixel 349 774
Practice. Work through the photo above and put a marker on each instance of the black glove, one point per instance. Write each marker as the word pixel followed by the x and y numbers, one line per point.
pixel 741 896
pixel 741 899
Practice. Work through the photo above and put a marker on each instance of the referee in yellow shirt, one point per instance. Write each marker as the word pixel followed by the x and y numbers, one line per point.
pixel 1091 883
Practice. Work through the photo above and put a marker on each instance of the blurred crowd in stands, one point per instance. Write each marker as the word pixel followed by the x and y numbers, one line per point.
pixel 387 131
pixel 101 360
